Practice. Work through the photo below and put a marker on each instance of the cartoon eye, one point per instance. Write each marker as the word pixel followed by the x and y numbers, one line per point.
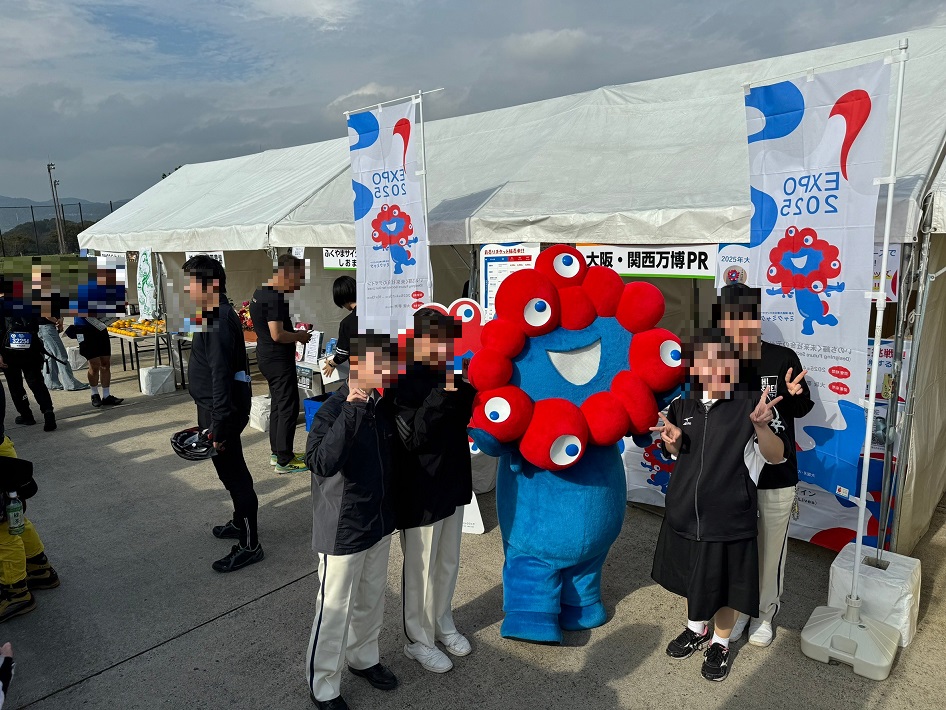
pixel 566 266
pixel 773 271
pixel 670 353
pixel 565 449
pixel 791 231
pixel 374 234
pixel 402 241
pixel 537 312
pixel 836 265
pixel 817 286
pixel 498 409
pixel 808 241
pixel 395 212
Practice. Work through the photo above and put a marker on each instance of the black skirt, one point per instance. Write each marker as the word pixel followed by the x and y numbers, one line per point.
pixel 710 575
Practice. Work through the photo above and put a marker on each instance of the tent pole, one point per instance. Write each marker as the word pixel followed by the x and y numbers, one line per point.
pixel 880 302
pixel 918 316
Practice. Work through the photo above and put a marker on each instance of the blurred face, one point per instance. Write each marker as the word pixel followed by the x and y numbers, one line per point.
pixel 746 332
pixel 291 279
pixel 42 282
pixel 204 297
pixel 433 351
pixel 106 277
pixel 374 370
pixel 715 367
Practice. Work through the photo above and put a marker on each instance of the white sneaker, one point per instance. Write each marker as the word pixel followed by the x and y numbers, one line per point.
pixel 456 643
pixel 760 633
pixel 432 659
pixel 740 627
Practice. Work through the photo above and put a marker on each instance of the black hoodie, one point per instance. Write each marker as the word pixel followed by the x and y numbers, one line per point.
pixel 433 475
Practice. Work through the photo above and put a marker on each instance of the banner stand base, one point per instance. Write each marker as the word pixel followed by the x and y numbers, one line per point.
pixel 844 636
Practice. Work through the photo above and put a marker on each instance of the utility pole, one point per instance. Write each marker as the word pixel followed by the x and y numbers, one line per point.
pixel 59 226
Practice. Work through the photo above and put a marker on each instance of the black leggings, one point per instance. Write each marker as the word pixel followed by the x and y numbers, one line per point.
pixel 233 473
pixel 27 366
pixel 283 406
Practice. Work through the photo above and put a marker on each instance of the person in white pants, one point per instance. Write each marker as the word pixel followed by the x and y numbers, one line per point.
pixel 765 365
pixel 350 457
pixel 434 481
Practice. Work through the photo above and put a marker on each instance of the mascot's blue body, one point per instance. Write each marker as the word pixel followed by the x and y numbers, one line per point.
pixel 571 365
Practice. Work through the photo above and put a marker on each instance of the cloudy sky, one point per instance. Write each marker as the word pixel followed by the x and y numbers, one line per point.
pixel 116 92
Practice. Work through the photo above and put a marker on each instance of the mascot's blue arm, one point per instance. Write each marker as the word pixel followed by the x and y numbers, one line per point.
pixel 491 446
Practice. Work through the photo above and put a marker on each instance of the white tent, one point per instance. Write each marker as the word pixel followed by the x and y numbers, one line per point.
pixel 657 161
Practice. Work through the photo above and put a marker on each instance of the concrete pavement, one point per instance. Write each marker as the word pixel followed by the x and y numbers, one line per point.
pixel 141 621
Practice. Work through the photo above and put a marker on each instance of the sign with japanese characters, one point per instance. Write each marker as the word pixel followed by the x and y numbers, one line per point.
pixel 337 259
pixel 497 261
pixel 686 262
pixel 893 270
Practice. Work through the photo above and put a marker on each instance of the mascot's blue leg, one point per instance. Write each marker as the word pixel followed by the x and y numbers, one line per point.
pixel 581 596
pixel 532 591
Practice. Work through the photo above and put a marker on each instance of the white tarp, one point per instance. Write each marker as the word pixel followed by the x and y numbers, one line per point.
pixel 661 161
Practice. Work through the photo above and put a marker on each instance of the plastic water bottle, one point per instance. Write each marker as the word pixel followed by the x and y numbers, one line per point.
pixel 15 514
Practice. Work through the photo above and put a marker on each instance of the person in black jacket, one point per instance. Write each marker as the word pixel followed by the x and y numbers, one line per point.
pixel 349 452
pixel 766 365
pixel 22 356
pixel 344 292
pixel 707 550
pixel 219 377
pixel 434 481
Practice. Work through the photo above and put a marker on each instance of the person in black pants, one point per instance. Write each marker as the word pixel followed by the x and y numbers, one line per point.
pixel 344 293
pixel 21 356
pixel 220 385
pixel 276 354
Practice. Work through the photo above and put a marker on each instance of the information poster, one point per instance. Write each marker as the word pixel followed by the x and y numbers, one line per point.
pixel 217 255
pixel 497 261
pixel 893 270
pixel 674 262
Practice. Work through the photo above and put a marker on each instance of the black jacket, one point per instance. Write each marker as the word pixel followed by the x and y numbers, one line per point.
pixel 433 476
pixel 349 453
pixel 711 496
pixel 346 329
pixel 219 373
pixel 769 371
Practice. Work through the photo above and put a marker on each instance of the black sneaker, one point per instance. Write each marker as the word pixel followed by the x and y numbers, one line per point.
pixel 687 643
pixel 716 665
pixel 227 532
pixel 26 419
pixel 96 400
pixel 49 421
pixel 333 704
pixel 112 400
pixel 239 558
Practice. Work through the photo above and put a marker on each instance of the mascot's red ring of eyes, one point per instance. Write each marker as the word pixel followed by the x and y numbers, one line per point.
pixel 564 292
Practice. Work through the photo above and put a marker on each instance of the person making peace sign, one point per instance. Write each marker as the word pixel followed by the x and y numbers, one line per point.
pixel 776 367
pixel 707 552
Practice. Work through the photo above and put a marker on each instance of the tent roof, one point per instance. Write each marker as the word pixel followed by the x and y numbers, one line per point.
pixel 664 160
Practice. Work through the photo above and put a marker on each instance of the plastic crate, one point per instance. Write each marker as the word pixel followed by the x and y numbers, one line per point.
pixel 311 406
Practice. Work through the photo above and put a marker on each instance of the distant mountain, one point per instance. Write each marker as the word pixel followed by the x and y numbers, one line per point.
pixel 16 210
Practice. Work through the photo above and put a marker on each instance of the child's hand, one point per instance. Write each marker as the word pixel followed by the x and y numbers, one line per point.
pixel 357 395
pixel 669 433
pixel 762 414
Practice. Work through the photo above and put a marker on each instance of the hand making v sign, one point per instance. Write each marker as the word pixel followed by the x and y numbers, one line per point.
pixel 762 414
pixel 795 386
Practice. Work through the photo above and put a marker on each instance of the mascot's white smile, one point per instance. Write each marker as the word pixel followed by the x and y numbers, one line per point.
pixel 578 366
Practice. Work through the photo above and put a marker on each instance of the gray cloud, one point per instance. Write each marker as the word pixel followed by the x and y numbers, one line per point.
pixel 115 106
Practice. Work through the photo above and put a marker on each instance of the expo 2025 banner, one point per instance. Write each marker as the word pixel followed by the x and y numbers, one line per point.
pixel 393 264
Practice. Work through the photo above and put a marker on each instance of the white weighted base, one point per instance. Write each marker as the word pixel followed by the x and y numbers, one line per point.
pixel 157 380
pixel 868 645
pixel 259 412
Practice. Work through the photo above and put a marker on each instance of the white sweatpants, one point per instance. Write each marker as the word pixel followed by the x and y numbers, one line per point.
pixel 429 579
pixel 349 611
pixel 775 512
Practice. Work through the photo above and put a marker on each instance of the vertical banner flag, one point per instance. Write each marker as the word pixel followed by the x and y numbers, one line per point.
pixel 147 288
pixel 392 252
pixel 816 145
